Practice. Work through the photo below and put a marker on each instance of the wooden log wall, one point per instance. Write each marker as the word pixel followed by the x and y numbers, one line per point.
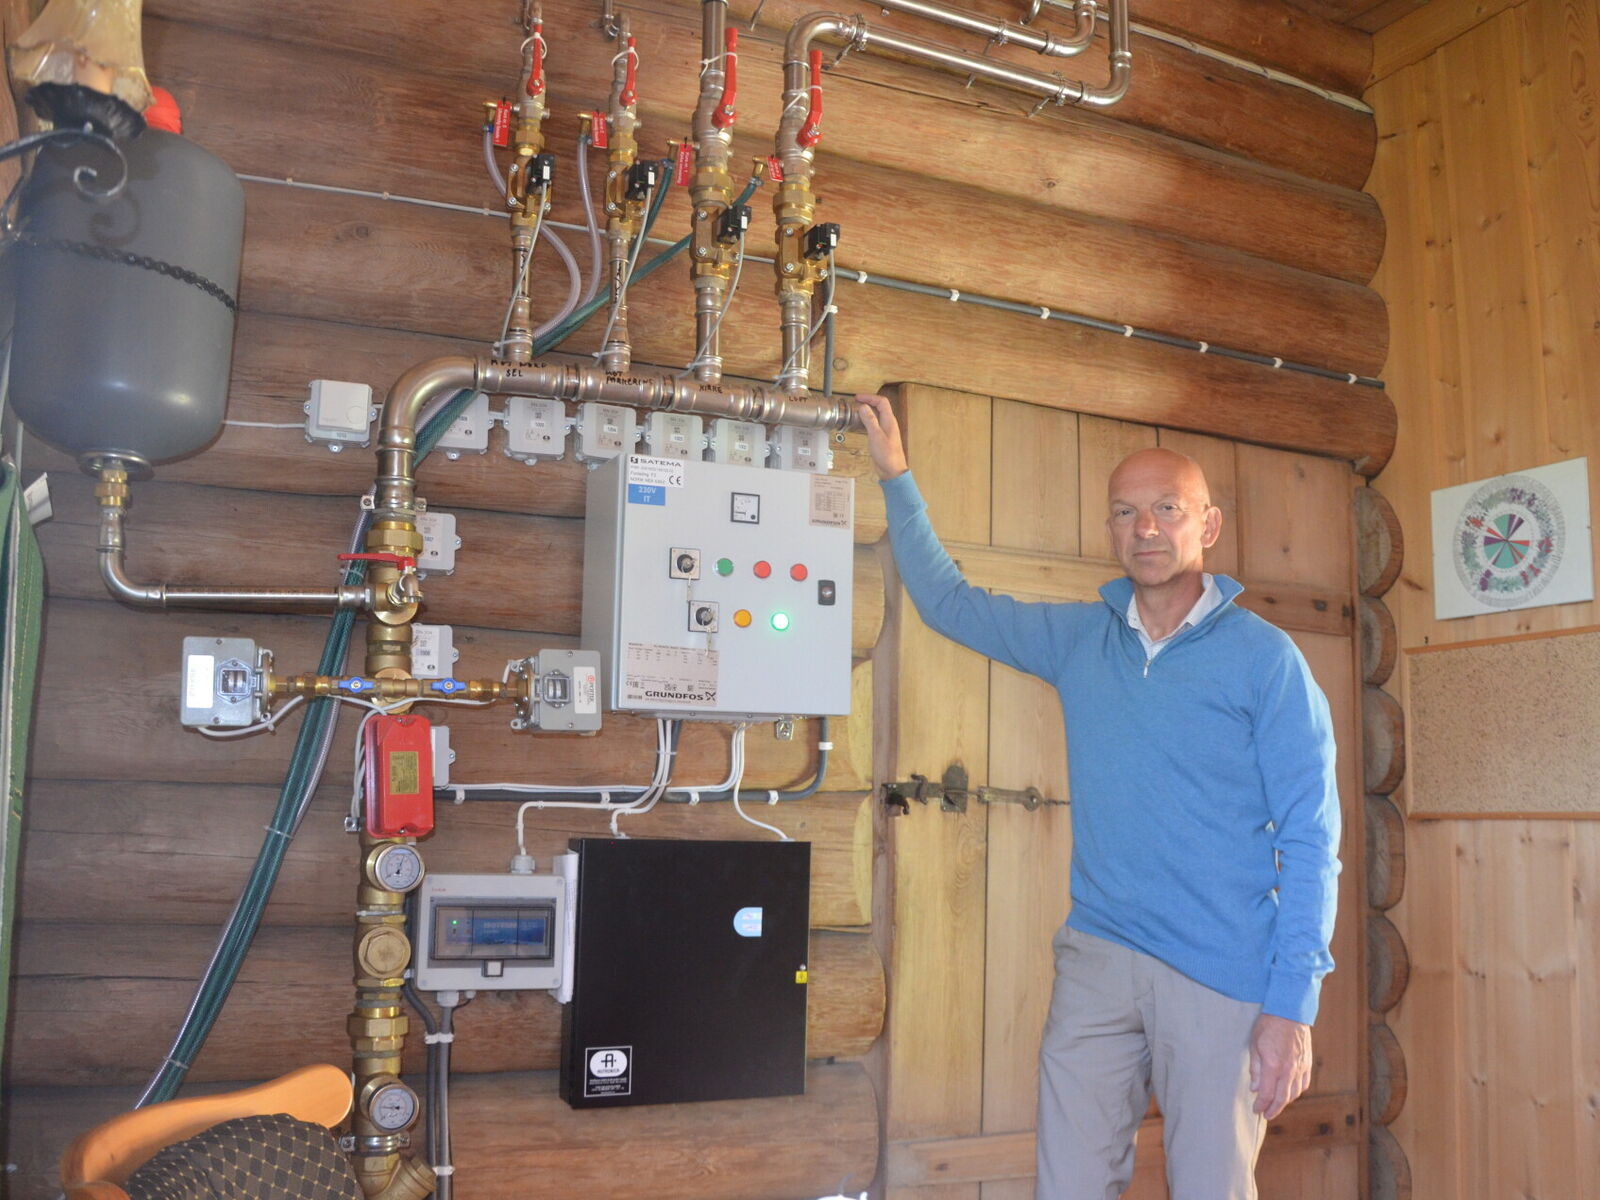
pixel 1213 204
pixel 1486 171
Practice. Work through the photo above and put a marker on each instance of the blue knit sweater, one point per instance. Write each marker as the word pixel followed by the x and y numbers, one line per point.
pixel 1205 810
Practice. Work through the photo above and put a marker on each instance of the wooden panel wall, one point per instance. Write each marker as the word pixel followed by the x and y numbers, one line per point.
pixel 989 884
pixel 1213 204
pixel 1488 174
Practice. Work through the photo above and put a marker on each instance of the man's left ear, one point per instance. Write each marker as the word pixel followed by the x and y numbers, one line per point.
pixel 1213 527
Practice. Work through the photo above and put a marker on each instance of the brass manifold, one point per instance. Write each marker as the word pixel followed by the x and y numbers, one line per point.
pixel 387 689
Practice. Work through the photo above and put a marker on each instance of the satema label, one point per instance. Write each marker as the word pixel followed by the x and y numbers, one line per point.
pixel 832 501
pixel 649 471
pixel 672 676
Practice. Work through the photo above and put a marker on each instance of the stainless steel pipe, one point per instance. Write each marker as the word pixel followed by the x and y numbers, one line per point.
pixel 1003 33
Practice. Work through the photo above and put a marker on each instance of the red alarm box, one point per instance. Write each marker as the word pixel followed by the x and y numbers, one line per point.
pixel 399 776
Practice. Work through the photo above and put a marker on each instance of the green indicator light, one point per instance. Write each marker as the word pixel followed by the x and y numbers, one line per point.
pixel 724 566
pixel 780 621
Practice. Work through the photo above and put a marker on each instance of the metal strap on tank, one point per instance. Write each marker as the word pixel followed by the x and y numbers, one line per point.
pixel 125 258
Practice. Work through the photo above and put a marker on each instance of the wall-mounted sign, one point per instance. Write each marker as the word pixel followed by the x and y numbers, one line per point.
pixel 1514 541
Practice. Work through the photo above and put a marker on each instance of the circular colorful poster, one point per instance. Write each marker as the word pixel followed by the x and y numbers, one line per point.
pixel 1509 540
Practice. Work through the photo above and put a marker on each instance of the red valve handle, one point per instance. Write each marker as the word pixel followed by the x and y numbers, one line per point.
pixel 722 118
pixel 811 132
pixel 536 76
pixel 404 561
pixel 629 94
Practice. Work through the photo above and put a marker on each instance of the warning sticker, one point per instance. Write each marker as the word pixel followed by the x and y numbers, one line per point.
pixel 833 501
pixel 607 1071
pixel 654 675
pixel 585 691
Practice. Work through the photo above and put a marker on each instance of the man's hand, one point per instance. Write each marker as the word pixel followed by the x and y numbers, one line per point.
pixel 883 436
pixel 1280 1063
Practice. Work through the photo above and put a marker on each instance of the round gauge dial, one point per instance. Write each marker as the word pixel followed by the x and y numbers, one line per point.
pixel 398 868
pixel 393 1107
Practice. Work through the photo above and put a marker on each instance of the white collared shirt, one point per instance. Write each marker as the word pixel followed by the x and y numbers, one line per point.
pixel 1210 598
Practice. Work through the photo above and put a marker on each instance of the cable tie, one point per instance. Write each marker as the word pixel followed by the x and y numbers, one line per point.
pixel 694 796
pixel 626 51
pixel 772 797
pixel 605 797
pixel 828 310
pixel 954 295
pixel 861 276
pixel 276 832
pixel 1204 347
pixel 444 1171
pixel 824 745
pixel 1127 331
pixel 1044 313
pixel 433 1039
pixel 177 1062
pixel 1352 378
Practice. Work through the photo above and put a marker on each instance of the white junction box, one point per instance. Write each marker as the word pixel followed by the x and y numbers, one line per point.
pixel 439 543
pixel 469 432
pixel 433 651
pixel 719 592
pixel 339 412
pixel 488 932
pixel 535 429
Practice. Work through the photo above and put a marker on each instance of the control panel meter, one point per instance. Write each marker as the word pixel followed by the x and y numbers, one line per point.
pixel 719 592
pixel 486 932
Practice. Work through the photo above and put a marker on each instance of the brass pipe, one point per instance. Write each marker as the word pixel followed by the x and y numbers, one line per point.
pixel 112 492
pixel 624 216
pixel 384 688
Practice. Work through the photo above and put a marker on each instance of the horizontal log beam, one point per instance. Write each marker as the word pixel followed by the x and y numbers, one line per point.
pixel 1177 93
pixel 1272 33
pixel 511 1128
pixel 191 846
pixel 94 1003
pixel 311 257
pixel 118 669
pixel 1107 174
pixel 317 255
pixel 512 571
pixel 1060 577
pixel 1327 1120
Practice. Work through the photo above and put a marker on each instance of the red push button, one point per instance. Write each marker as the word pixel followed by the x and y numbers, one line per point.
pixel 798 571
pixel 762 569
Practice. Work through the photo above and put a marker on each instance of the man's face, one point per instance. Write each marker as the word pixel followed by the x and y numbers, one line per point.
pixel 1160 518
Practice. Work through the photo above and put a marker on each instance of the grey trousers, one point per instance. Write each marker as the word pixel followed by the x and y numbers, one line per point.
pixel 1121 1023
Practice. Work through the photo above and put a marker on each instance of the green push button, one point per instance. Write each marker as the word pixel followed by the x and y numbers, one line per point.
pixel 724 566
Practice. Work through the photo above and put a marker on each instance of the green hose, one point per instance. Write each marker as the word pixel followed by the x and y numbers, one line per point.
pixel 576 321
pixel 240 931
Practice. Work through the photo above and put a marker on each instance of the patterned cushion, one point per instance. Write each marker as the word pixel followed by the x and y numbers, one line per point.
pixel 253 1158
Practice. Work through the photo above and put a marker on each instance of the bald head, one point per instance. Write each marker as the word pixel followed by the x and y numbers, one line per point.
pixel 1165 470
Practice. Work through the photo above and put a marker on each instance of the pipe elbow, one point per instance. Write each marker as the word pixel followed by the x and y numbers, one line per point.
pixel 420 384
pixel 124 589
pixel 1121 77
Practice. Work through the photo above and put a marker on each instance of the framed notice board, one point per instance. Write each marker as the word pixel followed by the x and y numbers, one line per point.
pixel 1506 727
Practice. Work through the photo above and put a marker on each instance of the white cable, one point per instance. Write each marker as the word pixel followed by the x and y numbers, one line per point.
pixel 522 272
pixel 727 303
pixel 782 836
pixel 595 258
pixel 259 725
pixel 266 424
pixel 488 160
pixel 811 334
pixel 627 273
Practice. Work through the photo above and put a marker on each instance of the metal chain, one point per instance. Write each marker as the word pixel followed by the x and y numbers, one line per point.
pixel 128 259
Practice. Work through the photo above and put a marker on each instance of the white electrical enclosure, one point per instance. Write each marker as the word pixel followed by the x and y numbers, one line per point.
pixel 439 543
pixel 674 435
pixel 488 932
pixel 801 449
pixel 737 443
pixel 719 592
pixel 433 651
pixel 605 431
pixel 469 432
pixel 535 429
pixel 339 412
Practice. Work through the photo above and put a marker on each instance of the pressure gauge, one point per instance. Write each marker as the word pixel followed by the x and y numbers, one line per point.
pixel 396 867
pixel 391 1105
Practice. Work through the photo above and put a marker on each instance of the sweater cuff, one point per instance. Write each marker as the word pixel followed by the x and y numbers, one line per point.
pixel 1292 996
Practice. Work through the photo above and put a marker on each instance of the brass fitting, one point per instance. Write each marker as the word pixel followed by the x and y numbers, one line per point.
pixel 390 1177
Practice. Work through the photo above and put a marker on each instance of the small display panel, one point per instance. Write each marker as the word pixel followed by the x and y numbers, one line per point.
pixel 492 931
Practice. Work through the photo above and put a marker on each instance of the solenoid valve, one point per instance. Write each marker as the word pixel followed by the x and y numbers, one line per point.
pixel 734 224
pixel 822 240
pixel 643 178
pixel 559 690
pixel 225 683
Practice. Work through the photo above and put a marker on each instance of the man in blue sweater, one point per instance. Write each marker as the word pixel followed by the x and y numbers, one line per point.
pixel 1205 823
